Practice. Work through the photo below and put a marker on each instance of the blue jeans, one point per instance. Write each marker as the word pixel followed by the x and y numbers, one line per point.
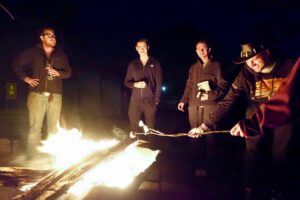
pixel 39 106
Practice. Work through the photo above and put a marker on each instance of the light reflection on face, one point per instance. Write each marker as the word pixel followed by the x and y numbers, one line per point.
pixel 258 62
pixel 202 50
pixel 142 48
pixel 48 38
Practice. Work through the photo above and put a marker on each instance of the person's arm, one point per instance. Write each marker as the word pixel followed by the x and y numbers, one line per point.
pixel 221 86
pixel 188 87
pixel 128 81
pixel 219 111
pixel 281 108
pixel 236 91
pixel 18 64
pixel 22 61
pixel 63 69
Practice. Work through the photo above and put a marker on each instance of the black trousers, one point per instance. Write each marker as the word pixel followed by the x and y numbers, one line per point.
pixel 138 108
pixel 266 158
pixel 203 150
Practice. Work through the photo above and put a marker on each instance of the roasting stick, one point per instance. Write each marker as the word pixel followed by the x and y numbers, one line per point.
pixel 150 131
pixel 134 134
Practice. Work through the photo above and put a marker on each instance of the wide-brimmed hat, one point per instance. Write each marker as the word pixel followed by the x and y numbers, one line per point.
pixel 248 51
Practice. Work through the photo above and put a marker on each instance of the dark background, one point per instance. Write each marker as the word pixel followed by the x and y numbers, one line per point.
pixel 99 38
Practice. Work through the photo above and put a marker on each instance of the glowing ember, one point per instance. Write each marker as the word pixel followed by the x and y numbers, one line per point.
pixel 67 147
pixel 27 187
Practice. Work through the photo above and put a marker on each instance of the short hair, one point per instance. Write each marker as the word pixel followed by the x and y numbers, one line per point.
pixel 145 40
pixel 203 41
pixel 42 30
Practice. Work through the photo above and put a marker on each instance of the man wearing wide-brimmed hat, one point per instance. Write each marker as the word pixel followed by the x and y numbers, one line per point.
pixel 258 80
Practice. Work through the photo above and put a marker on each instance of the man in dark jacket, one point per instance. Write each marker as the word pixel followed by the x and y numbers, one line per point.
pixel 144 78
pixel 282 108
pixel 258 81
pixel 204 87
pixel 43 67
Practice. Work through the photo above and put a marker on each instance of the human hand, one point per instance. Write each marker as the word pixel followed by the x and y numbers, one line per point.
pixel 180 106
pixel 204 96
pixel 196 132
pixel 237 131
pixel 33 82
pixel 52 72
pixel 140 84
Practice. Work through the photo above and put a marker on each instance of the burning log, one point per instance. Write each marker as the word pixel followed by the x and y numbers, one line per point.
pixel 121 174
pixel 18 176
pixel 57 182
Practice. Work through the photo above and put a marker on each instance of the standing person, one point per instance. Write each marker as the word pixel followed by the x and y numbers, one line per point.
pixel 42 67
pixel 258 81
pixel 144 78
pixel 204 87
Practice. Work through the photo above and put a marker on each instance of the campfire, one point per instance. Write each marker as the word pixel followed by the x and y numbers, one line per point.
pixel 78 165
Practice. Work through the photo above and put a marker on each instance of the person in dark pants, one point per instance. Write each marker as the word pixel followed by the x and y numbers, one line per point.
pixel 282 108
pixel 144 78
pixel 258 81
pixel 204 87
pixel 43 67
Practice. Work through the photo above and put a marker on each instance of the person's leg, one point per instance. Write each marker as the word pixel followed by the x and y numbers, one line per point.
pixel 193 116
pixel 198 148
pixel 255 162
pixel 210 143
pixel 53 113
pixel 148 107
pixel 36 104
pixel 134 114
pixel 281 141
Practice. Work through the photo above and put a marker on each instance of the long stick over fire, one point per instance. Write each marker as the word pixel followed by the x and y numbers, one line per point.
pixel 150 131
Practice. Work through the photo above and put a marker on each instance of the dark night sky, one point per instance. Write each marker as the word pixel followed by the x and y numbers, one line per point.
pixel 105 31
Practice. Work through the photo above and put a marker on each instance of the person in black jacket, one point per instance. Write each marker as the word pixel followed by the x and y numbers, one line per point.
pixel 144 78
pixel 204 87
pixel 258 81
pixel 42 67
pixel 282 108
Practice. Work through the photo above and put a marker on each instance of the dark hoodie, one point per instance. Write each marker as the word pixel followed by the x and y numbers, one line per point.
pixel 151 73
pixel 256 87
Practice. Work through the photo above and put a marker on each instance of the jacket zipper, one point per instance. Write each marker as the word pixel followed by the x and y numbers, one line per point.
pixel 142 88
